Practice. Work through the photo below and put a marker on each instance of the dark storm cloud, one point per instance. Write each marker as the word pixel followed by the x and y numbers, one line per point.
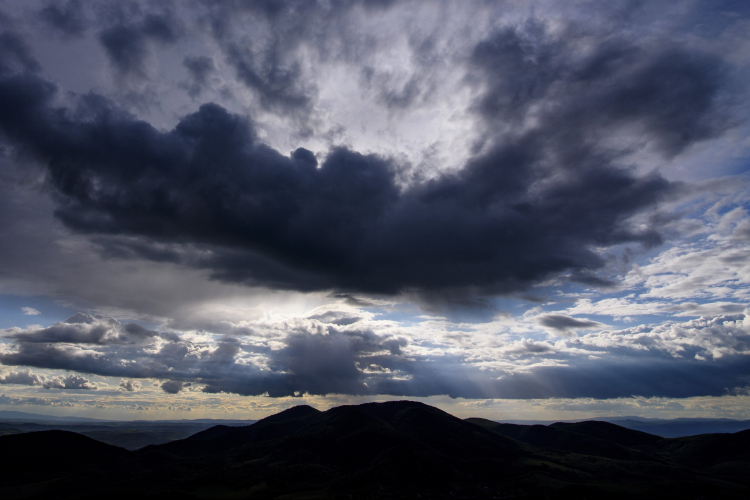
pixel 522 211
pixel 68 17
pixel 667 91
pixel 532 204
pixel 127 42
pixel 15 54
pixel 130 248
pixel 87 329
pixel 173 386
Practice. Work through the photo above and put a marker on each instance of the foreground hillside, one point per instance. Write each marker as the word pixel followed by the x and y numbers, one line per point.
pixel 381 450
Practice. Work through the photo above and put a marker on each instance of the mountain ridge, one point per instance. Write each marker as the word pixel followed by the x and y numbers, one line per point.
pixel 385 450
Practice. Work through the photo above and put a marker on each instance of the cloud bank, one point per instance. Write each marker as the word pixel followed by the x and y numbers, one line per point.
pixel 314 357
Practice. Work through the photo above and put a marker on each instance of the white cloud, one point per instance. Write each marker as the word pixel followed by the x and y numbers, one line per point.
pixel 708 338
pixel 30 311
pixel 22 377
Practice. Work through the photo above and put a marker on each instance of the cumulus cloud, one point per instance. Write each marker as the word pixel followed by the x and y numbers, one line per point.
pixel 22 377
pixel 173 386
pixel 26 377
pixel 30 311
pixel 69 381
pixel 130 385
pixel 84 328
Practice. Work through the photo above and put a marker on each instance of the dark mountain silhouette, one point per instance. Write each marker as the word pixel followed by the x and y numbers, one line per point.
pixel 595 438
pixel 680 427
pixel 674 427
pixel 381 450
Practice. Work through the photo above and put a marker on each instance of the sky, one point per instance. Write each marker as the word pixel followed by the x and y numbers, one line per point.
pixel 506 209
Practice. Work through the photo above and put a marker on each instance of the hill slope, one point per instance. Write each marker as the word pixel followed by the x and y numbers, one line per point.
pixel 381 450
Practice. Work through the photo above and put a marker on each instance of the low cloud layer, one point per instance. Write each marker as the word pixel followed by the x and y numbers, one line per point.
pixel 26 377
pixel 706 357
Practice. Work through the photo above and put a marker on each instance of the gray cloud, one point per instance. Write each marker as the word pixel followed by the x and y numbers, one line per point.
pixel 345 225
pixel 9 400
pixel 26 377
pixel 15 54
pixel 68 17
pixel 130 385
pixel 279 84
pixel 127 41
pixel 694 358
pixel 200 68
pixel 528 346
pixel 173 386
pixel 563 324
pixel 530 205
pixel 316 362
pixel 87 329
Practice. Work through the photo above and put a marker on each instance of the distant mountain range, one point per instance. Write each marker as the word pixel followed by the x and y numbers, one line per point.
pixel 35 417
pixel 389 450
pixel 677 427
pixel 672 428
pixel 130 435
